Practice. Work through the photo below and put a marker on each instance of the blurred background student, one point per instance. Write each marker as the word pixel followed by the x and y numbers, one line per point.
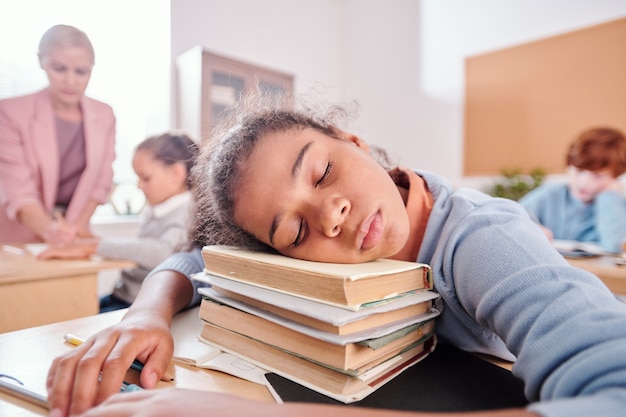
pixel 56 147
pixel 591 205
pixel 162 164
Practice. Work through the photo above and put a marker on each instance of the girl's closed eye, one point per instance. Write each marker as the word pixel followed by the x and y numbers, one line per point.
pixel 325 175
pixel 301 234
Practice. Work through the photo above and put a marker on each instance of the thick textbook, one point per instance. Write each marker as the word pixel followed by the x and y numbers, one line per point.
pixel 386 318
pixel 348 285
pixel 321 316
pixel 340 386
pixel 351 356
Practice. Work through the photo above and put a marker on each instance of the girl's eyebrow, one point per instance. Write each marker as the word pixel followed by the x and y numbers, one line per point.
pixel 294 172
pixel 298 163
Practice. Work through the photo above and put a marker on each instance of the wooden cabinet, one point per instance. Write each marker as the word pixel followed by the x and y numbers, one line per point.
pixel 208 83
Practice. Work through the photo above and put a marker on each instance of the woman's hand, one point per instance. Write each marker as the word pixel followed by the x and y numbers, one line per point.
pixel 95 370
pixel 59 233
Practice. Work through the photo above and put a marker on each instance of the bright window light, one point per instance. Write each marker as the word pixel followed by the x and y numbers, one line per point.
pixel 131 39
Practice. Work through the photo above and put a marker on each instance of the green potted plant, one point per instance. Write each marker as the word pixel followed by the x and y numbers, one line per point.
pixel 514 183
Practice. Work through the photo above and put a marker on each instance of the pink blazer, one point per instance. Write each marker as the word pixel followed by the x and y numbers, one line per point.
pixel 29 159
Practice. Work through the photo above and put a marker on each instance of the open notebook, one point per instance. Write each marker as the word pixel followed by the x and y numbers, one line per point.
pixel 576 249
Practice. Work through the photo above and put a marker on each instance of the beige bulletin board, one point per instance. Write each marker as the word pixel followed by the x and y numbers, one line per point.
pixel 525 104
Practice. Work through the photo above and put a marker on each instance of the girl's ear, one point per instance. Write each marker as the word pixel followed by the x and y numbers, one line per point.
pixel 356 140
pixel 179 172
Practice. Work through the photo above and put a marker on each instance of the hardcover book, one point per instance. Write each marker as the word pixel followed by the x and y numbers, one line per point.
pixel 341 353
pixel 337 385
pixel 317 314
pixel 352 286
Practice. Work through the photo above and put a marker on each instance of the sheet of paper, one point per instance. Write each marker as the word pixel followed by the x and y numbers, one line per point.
pixel 35 248
pixel 188 349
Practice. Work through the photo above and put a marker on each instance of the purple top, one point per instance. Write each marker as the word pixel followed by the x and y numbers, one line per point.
pixel 71 142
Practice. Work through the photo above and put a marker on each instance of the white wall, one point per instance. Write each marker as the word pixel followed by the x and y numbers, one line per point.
pixel 455 29
pixel 402 60
pixel 132 56
pixel 299 37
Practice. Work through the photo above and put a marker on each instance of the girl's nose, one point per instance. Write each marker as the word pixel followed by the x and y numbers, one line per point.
pixel 333 214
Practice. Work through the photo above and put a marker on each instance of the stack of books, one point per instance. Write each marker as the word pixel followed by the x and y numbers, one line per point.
pixel 342 330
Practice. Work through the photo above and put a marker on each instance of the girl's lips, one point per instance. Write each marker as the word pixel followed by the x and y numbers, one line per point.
pixel 371 231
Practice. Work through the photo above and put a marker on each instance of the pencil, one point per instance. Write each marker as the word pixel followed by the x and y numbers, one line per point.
pixel 14 250
pixel 24 393
pixel 136 365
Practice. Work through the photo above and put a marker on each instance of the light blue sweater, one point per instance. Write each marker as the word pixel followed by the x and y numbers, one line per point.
pixel 508 293
pixel 603 221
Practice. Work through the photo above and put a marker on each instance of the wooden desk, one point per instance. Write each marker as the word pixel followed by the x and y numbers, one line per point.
pixel 35 292
pixel 614 276
pixel 27 355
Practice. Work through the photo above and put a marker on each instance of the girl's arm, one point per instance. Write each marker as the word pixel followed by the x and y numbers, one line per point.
pixel 157 239
pixel 92 372
pixel 189 403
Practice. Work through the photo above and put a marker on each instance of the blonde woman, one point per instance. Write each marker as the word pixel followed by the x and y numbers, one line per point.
pixel 56 147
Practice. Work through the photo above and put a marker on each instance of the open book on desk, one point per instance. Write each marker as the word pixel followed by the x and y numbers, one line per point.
pixel 576 249
pixel 189 350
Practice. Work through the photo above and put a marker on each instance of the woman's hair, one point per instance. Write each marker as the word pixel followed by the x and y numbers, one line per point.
pixel 597 149
pixel 222 161
pixel 63 36
pixel 170 149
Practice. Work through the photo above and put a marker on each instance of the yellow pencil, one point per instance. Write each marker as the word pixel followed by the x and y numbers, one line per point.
pixel 73 340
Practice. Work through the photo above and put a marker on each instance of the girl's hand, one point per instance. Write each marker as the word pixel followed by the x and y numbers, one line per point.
pixel 77 250
pixel 190 403
pixel 181 402
pixel 95 370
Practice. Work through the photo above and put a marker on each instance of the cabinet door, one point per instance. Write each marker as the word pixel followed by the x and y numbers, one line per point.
pixel 208 83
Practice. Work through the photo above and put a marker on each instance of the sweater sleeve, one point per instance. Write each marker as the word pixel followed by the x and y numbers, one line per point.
pixel 187 264
pixel 610 215
pixel 17 185
pixel 532 203
pixel 567 330
pixel 157 239
pixel 104 178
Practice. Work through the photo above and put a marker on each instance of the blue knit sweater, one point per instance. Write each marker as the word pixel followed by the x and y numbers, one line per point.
pixel 508 293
